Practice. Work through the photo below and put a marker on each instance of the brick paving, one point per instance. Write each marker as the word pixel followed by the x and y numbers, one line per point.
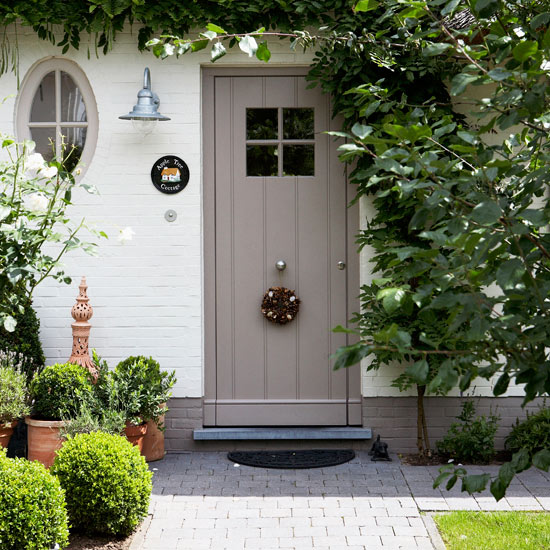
pixel 202 500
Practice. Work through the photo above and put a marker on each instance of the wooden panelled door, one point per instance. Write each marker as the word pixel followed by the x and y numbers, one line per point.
pixel 275 191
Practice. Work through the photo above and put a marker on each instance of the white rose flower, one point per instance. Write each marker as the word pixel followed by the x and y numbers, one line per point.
pixel 49 171
pixel 34 162
pixel 36 202
pixel 126 235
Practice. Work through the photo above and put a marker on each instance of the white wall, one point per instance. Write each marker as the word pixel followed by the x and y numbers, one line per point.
pixel 146 294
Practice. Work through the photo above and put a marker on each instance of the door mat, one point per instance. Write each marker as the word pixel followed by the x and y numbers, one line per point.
pixel 290 460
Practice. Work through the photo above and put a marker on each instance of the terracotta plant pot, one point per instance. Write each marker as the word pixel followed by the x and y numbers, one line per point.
pixel 6 430
pixel 135 434
pixel 153 442
pixel 43 439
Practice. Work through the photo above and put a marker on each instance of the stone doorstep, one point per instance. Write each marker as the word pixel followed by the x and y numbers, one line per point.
pixel 221 434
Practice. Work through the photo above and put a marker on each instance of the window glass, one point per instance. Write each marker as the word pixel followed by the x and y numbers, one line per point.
pixel 261 160
pixel 298 123
pixel 298 160
pixel 73 108
pixel 44 137
pixel 261 124
pixel 43 104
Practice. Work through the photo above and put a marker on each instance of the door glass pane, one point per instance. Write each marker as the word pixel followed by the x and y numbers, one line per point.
pixel 298 123
pixel 298 160
pixel 45 141
pixel 261 160
pixel 261 124
pixel 73 108
pixel 74 138
pixel 43 103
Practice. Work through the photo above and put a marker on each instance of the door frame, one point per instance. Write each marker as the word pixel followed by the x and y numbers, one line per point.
pixel 208 75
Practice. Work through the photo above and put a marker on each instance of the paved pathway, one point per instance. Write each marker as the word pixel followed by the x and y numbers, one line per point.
pixel 202 500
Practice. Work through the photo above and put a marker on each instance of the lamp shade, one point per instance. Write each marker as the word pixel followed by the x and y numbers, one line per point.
pixel 147 104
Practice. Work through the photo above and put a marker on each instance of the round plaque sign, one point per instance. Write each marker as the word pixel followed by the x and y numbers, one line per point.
pixel 170 174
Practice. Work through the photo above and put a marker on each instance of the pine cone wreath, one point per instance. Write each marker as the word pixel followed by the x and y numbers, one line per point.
pixel 280 305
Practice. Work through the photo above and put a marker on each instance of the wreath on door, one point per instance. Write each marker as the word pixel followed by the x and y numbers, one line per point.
pixel 280 305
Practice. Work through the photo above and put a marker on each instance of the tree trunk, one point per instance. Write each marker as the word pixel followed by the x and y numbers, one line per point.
pixel 422 439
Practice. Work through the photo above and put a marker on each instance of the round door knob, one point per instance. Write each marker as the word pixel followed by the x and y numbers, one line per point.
pixel 341 265
pixel 280 265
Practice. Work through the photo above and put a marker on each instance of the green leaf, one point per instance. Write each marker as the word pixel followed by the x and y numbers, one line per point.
pixel 419 371
pixel 542 460
pixel 361 130
pixel 499 74
pixel 461 81
pixel 199 45
pixel 510 274
pixel 524 50
pixel 248 45
pixel 340 328
pixel 475 483
pixel 10 323
pixel 366 5
pixel 502 384
pixel 215 28
pixel 435 48
pixel 486 212
pixel 486 8
pixel 263 53
pixel 391 298
pixel 218 50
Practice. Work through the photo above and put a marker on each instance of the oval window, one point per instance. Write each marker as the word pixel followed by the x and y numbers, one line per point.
pixel 57 110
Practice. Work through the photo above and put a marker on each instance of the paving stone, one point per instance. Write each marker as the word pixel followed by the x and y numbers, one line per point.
pixel 201 500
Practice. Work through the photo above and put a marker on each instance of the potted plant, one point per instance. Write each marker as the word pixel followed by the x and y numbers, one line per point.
pixel 13 396
pixel 57 393
pixel 147 389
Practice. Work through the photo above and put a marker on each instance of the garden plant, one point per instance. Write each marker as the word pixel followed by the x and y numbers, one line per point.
pixel 33 514
pixel 106 482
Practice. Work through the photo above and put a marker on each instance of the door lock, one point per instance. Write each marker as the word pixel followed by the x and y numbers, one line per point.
pixel 341 265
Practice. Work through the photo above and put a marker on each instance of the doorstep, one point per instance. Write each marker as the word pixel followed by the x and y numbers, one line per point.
pixel 244 434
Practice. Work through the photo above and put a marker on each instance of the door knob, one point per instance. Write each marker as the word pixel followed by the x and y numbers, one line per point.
pixel 341 265
pixel 280 265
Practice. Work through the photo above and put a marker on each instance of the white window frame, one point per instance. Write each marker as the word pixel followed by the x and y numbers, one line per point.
pixel 30 85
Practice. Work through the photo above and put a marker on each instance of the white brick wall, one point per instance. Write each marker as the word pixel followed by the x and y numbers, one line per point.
pixel 146 294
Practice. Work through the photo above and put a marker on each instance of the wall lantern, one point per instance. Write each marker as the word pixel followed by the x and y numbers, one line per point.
pixel 145 113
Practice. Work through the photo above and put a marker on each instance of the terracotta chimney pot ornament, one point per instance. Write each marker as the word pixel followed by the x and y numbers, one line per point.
pixel 82 312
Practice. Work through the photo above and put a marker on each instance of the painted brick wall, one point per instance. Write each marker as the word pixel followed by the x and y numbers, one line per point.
pixel 146 294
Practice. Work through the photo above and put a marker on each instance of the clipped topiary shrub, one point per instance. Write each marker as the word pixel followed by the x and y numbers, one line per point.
pixel 59 391
pixel 24 341
pixel 33 515
pixel 106 482
pixel 532 434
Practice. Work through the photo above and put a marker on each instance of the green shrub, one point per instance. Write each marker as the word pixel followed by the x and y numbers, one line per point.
pixel 88 421
pixel 59 390
pixel 144 387
pixel 13 390
pixel 33 515
pixel 106 481
pixel 25 342
pixel 473 439
pixel 532 434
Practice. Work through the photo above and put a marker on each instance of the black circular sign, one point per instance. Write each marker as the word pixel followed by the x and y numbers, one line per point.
pixel 170 174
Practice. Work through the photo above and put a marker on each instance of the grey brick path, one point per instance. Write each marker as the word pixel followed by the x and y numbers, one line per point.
pixel 202 500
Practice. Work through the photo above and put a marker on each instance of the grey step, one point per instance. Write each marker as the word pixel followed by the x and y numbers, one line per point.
pixel 221 434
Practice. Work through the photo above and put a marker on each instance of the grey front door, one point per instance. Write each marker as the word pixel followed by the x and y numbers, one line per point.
pixel 279 193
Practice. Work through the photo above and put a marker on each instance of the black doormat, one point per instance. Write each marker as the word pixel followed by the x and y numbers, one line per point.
pixel 290 460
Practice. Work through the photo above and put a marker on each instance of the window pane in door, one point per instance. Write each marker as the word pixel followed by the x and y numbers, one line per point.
pixel 261 160
pixel 261 124
pixel 298 160
pixel 298 123
pixel 74 139
pixel 73 108
pixel 43 103
pixel 45 141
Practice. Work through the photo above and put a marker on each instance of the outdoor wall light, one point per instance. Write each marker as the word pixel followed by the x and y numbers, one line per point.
pixel 144 115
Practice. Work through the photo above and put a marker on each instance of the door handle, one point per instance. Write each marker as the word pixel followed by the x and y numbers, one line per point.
pixel 341 265
pixel 280 265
